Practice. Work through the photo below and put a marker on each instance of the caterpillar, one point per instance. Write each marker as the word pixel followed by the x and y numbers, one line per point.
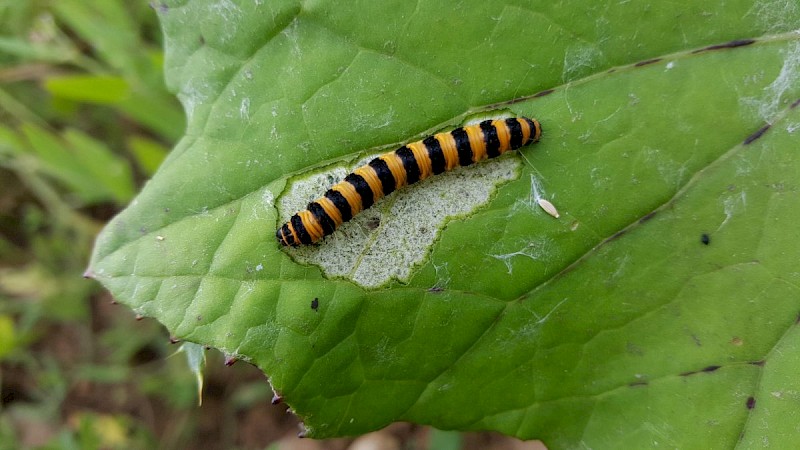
pixel 407 165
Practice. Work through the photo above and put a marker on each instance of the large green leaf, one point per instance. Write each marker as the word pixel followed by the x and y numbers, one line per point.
pixel 660 309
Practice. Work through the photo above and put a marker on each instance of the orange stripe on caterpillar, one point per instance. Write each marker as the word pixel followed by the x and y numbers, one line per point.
pixel 404 166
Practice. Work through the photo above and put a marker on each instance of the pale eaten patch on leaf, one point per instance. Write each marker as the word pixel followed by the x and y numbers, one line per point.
pixel 389 239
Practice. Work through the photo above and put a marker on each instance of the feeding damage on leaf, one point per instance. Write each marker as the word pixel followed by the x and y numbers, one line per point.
pixel 389 239
pixel 405 166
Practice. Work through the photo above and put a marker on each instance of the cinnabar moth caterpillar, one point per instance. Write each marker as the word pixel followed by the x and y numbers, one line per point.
pixel 406 165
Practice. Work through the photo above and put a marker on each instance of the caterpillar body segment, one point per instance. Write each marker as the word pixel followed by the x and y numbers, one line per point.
pixel 410 163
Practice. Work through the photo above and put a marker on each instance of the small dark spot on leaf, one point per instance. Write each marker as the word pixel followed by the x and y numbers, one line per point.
pixel 705 238
pixel 647 62
pixel 730 44
pixel 543 93
pixel 373 223
pixel 617 235
pixel 199 318
pixel 647 217
pixel 638 383
pixel 201 40
pixel 737 341
pixel 795 104
pixel 777 187
pixel 315 304
pixel 759 363
pixel 751 402
pixel 757 134
pixel 708 369
pixel 166 210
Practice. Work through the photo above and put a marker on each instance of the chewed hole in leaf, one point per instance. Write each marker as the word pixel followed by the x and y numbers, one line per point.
pixel 389 239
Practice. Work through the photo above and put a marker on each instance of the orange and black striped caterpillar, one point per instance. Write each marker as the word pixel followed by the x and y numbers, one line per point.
pixel 406 165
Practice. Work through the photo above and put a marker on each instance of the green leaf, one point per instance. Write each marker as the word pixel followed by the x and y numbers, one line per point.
pixel 149 153
pixel 109 27
pixel 87 166
pixel 660 308
pixel 89 88
pixel 57 52
pixel 8 337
